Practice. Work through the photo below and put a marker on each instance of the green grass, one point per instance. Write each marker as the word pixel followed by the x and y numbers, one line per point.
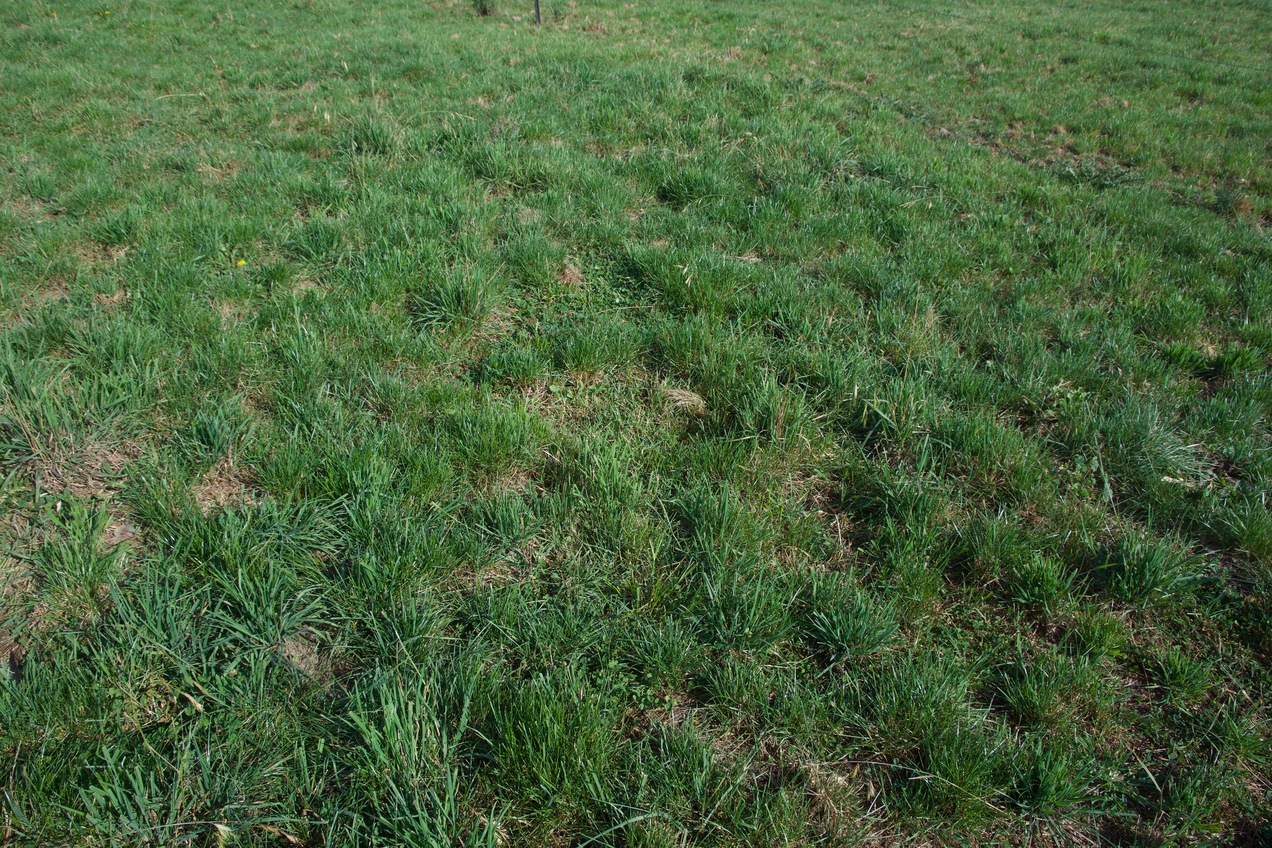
pixel 681 423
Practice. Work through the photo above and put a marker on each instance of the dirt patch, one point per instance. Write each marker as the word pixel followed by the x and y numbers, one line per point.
pixel 839 793
pixel 499 574
pixel 119 531
pixel 841 529
pixel 111 301
pixel 56 291
pixel 516 480
pixel 676 709
pixel 12 656
pixel 96 255
pixel 91 473
pixel 1053 150
pixel 545 397
pixel 31 210
pixel 304 655
pixel 305 285
pixel 225 485
pixel 230 312
pixel 87 471
pixel 15 585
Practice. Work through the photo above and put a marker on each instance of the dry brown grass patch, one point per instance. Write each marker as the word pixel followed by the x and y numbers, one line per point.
pixel 56 291
pixel 570 276
pixel 88 471
pixel 306 657
pixel 110 301
pixel 684 400
pixel 212 173
pixel 230 312
pixel 96 255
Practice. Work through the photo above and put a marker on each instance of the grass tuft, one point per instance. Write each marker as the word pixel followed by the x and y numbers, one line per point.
pixel 1145 570
pixel 458 296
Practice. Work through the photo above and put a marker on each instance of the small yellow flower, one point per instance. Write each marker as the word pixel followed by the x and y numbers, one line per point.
pixel 242 262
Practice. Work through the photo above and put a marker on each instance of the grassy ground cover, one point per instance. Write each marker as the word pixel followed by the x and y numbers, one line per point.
pixel 682 423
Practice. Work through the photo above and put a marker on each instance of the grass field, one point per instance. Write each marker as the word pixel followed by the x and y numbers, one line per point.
pixel 683 423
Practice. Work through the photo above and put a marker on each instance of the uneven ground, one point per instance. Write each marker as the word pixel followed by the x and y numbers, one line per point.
pixel 684 423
